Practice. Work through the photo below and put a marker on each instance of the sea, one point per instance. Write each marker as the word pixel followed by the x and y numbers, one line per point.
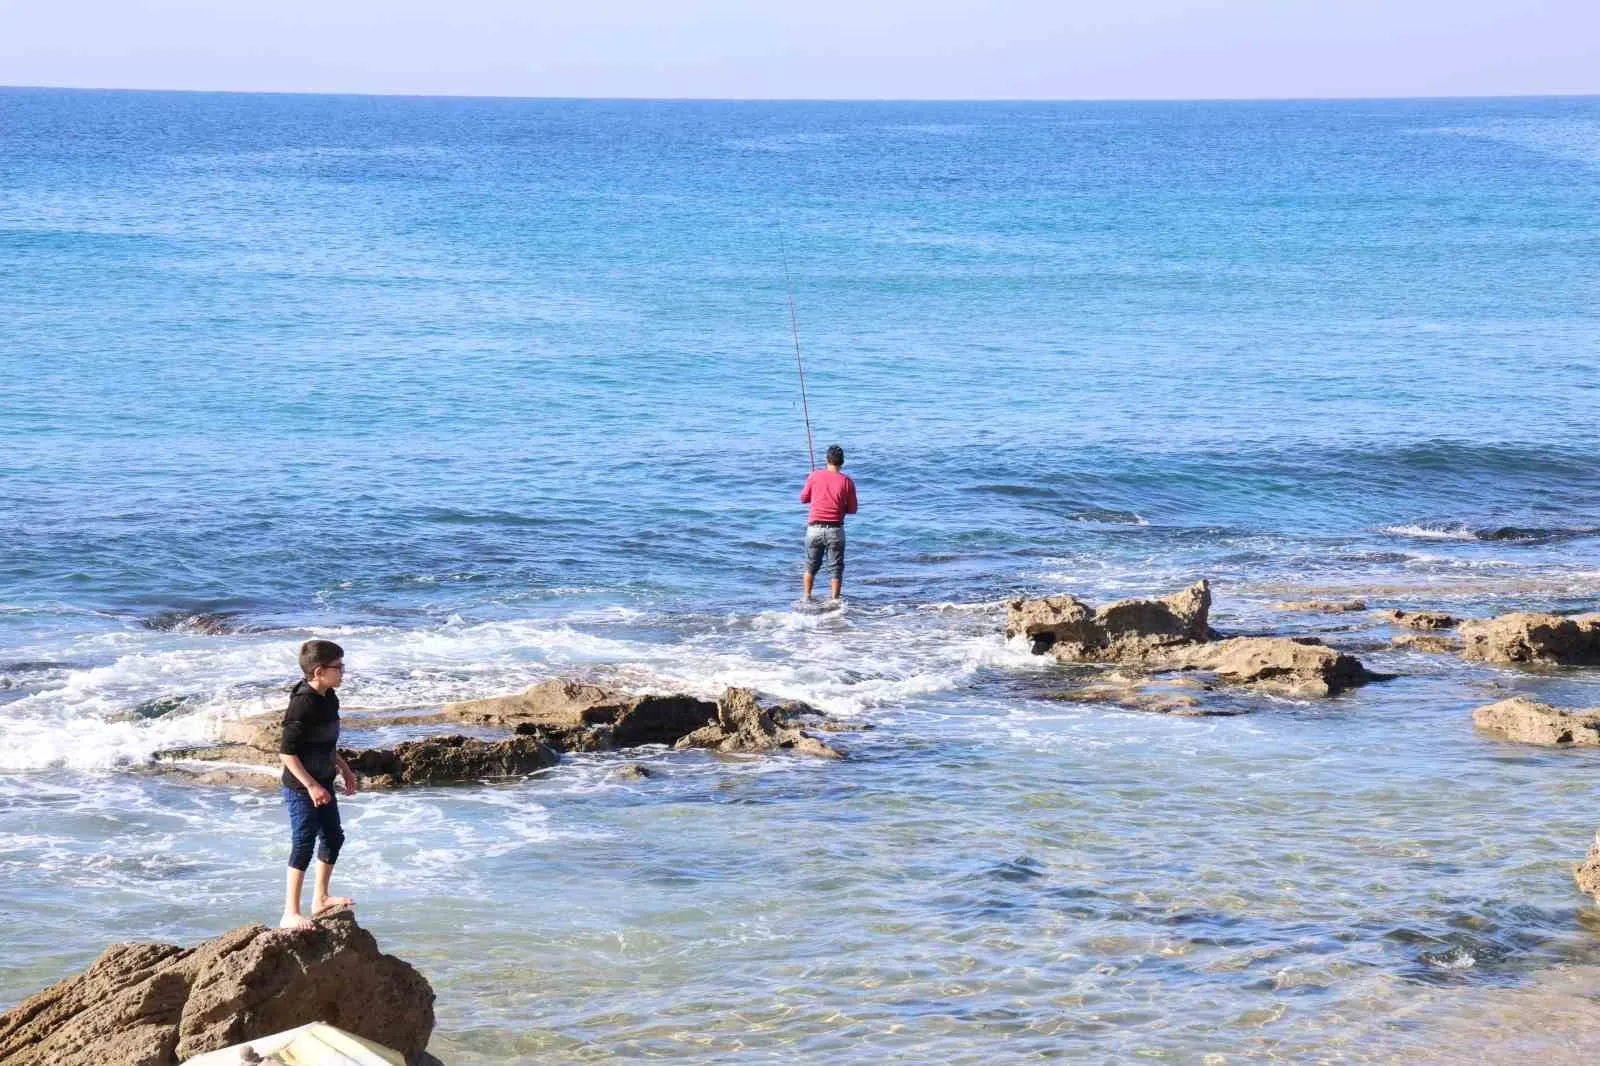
pixel 492 391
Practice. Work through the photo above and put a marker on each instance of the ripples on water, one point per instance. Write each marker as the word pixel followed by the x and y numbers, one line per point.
pixel 492 391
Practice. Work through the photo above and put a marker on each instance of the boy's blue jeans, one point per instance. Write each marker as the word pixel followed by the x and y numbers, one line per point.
pixel 308 823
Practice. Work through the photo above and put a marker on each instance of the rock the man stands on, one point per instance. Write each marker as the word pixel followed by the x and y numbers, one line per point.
pixel 832 495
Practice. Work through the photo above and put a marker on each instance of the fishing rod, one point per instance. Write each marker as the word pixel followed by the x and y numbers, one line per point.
pixel 794 328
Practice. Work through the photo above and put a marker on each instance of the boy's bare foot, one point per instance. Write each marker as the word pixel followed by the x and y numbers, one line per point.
pixel 332 903
pixel 295 921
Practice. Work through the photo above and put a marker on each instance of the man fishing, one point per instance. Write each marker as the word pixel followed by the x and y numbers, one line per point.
pixel 832 495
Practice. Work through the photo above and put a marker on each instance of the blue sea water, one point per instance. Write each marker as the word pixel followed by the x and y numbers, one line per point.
pixel 497 390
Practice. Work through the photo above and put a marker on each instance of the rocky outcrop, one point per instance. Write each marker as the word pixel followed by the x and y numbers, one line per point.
pixel 1300 667
pixel 1073 631
pixel 1538 639
pixel 436 760
pixel 743 725
pixel 1588 874
pixel 1425 620
pixel 159 1004
pixel 1520 718
pixel 450 759
pixel 1323 606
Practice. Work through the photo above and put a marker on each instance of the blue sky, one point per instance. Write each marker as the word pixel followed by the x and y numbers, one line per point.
pixel 836 49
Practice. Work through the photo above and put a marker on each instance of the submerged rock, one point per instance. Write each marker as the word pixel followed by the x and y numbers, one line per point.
pixel 1427 642
pixel 1428 620
pixel 1520 718
pixel 159 1004
pixel 1073 631
pixel 743 725
pixel 1323 606
pixel 1534 638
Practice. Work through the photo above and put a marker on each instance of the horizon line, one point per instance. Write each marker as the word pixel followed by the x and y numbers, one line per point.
pixel 1354 98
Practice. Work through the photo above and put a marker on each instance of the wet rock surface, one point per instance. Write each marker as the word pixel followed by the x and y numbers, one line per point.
pixel 450 759
pixel 1533 638
pixel 159 1004
pixel 1520 718
pixel 741 724
pixel 1073 631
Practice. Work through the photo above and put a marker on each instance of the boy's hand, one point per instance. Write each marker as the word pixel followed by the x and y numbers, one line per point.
pixel 320 797
pixel 347 781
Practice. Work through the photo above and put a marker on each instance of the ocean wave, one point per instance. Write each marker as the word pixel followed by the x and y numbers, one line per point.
pixel 1462 531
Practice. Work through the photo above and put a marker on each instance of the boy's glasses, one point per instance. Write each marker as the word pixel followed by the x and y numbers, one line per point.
pixel 334 666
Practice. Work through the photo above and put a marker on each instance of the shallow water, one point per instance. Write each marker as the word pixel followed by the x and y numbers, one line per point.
pixel 493 391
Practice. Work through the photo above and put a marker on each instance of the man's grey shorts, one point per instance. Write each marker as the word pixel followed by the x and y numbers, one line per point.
pixel 828 539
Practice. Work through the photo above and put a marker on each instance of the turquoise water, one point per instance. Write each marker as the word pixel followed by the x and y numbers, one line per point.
pixel 496 390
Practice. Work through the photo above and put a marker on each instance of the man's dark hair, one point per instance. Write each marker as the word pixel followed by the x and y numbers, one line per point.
pixel 315 653
pixel 836 455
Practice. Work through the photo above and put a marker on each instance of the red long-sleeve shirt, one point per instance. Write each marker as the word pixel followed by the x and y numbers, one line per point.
pixel 831 494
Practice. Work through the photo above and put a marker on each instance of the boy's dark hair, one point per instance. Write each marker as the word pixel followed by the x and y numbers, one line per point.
pixel 315 653
pixel 835 455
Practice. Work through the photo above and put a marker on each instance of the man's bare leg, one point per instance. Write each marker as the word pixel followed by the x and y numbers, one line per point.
pixel 292 918
pixel 837 585
pixel 805 583
pixel 320 900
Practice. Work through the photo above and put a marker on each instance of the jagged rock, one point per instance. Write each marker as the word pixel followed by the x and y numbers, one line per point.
pixel 1427 642
pixel 159 1004
pixel 632 772
pixel 1323 606
pixel 1429 620
pixel 1073 631
pixel 1520 718
pixel 1527 637
pixel 1301 667
pixel 445 760
pixel 743 725
pixel 1588 874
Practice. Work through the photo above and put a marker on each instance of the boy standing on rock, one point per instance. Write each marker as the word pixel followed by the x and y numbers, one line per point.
pixel 311 761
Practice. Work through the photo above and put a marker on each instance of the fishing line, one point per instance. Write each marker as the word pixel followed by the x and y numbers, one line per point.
pixel 794 328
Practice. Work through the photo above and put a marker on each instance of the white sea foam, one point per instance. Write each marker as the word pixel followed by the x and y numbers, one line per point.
pixel 849 663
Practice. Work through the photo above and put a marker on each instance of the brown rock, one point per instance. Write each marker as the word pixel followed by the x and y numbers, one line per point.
pixel 1429 620
pixel 1588 874
pixel 1526 637
pixel 158 1004
pixel 1128 629
pixel 1323 606
pixel 1298 667
pixel 1519 718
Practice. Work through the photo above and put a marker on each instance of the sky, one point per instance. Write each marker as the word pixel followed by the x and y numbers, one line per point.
pixel 813 49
